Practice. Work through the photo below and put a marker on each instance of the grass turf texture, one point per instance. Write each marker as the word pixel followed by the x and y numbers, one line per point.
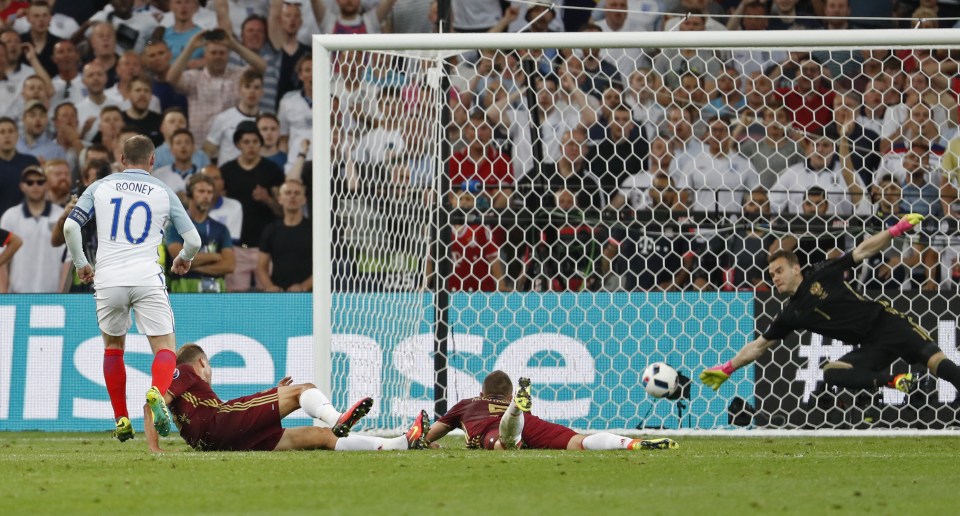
pixel 92 473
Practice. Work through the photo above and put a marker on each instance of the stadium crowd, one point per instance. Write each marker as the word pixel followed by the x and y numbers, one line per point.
pixel 586 169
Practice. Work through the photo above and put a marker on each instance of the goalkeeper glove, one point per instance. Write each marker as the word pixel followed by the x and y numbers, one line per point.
pixel 906 224
pixel 716 375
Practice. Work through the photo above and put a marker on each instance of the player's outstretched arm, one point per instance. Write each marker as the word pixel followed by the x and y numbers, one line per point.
pixel 437 431
pixel 153 438
pixel 881 240
pixel 715 376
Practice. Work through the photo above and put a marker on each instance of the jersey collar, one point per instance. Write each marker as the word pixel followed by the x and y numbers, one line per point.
pixel 136 171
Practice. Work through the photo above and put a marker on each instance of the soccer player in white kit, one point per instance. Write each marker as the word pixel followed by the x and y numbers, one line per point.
pixel 132 208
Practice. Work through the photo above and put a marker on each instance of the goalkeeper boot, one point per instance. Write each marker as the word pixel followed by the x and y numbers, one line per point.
pixel 417 435
pixel 351 416
pixel 522 399
pixel 904 382
pixel 653 444
pixel 161 414
pixel 124 430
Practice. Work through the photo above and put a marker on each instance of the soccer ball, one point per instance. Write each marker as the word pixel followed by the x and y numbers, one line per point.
pixel 659 380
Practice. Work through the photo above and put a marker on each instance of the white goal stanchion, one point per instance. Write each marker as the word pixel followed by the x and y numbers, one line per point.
pixel 574 206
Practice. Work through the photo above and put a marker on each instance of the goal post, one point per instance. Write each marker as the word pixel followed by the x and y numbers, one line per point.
pixel 585 330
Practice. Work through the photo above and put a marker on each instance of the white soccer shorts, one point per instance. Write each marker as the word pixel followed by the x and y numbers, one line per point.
pixel 150 305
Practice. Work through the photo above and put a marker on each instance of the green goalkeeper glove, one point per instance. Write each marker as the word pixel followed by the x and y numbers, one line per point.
pixel 716 375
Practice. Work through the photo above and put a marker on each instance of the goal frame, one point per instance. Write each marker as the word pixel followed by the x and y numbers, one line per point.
pixel 324 45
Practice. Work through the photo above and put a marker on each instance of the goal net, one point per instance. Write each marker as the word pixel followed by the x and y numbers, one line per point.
pixel 572 207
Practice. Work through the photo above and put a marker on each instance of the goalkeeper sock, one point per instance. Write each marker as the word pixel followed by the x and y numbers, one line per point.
pixel 605 441
pixel 317 405
pixel 164 362
pixel 115 376
pixel 949 371
pixel 511 426
pixel 857 378
pixel 366 443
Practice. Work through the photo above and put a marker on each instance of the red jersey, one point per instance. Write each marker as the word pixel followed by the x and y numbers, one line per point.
pixel 492 169
pixel 194 404
pixel 476 416
pixel 472 249
pixel 811 111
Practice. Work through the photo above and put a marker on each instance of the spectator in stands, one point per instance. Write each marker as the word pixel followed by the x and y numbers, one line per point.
pixel 922 110
pixel 615 19
pixel 384 143
pixel 129 66
pixel 817 234
pixel 253 35
pixel 37 267
pixel 156 60
pixel 296 113
pixel 269 126
pixel 34 90
pixel 823 168
pixel 637 189
pixel 738 260
pixel 88 109
pixel 12 163
pixel 67 83
pixel 660 259
pixel 623 151
pixel 474 251
pixel 870 115
pixel 253 181
pixel 66 133
pixel 182 149
pixel 285 260
pixel 224 210
pixel 641 95
pixel 570 172
pixel 865 144
pixel 282 28
pixel 919 125
pixel 600 73
pixel 481 161
pixel 810 99
pixel 57 172
pixel 103 48
pixel 726 99
pixel 214 88
pixel 473 16
pixel 920 183
pixel 177 34
pixel 174 119
pixel 704 63
pixel 715 172
pixel 219 145
pixel 35 140
pixel 677 129
pixel 138 115
pixel 216 257
pixel 665 195
pixel 354 94
pixel 111 121
pixel 133 28
pixel 788 16
pixel 39 37
pixel 776 151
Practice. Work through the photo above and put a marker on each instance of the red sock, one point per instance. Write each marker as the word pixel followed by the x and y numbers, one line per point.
pixel 115 374
pixel 164 363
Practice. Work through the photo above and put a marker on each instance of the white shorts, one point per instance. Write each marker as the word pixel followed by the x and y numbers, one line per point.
pixel 151 307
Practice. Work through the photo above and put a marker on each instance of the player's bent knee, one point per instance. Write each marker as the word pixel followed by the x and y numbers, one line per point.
pixel 837 365
pixel 576 442
pixel 935 360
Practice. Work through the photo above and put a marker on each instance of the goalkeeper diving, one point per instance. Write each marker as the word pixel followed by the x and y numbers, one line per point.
pixel 822 301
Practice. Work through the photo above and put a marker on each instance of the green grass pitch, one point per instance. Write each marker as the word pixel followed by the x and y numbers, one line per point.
pixel 45 473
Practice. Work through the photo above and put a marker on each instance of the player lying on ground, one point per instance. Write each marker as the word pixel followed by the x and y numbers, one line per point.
pixel 253 422
pixel 822 302
pixel 497 420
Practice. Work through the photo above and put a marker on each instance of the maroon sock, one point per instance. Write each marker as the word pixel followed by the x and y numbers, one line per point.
pixel 115 374
pixel 164 363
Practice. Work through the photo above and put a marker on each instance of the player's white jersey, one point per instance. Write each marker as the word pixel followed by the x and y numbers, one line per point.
pixel 132 208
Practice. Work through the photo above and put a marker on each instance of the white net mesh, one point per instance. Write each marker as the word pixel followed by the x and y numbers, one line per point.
pixel 595 214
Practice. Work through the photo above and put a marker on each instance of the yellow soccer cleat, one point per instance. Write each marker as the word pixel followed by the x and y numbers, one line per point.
pixel 904 382
pixel 522 399
pixel 161 414
pixel 124 430
pixel 662 443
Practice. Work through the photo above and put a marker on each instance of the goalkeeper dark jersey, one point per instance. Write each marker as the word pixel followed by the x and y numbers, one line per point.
pixel 826 304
